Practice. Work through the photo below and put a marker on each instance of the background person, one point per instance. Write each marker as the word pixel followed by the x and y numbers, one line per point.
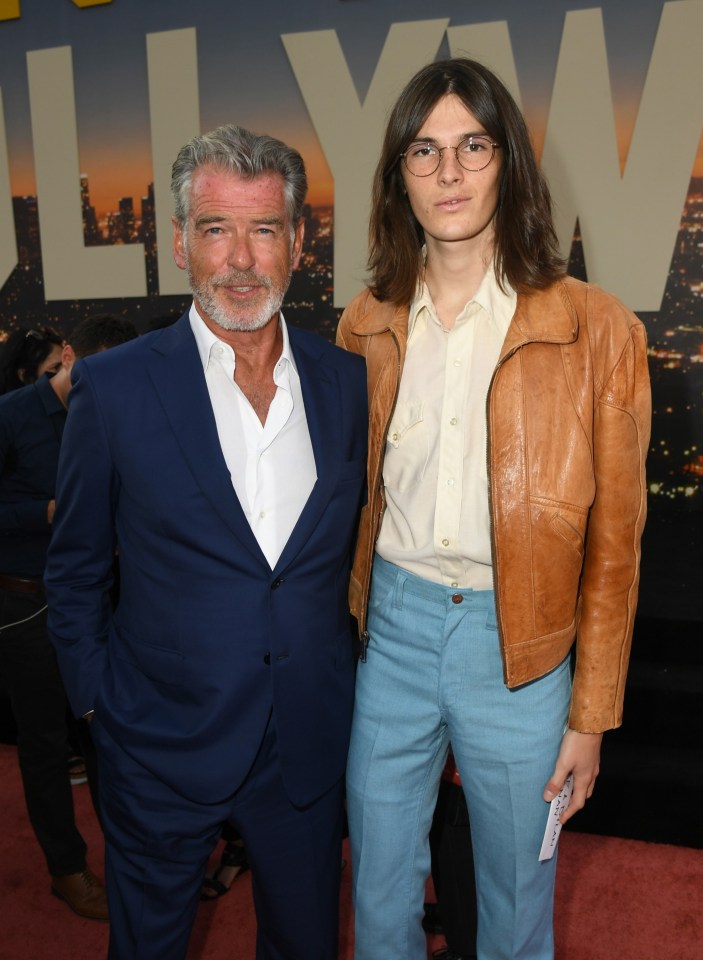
pixel 28 354
pixel 510 415
pixel 31 426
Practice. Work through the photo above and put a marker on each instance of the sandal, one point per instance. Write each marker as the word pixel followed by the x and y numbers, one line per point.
pixel 234 855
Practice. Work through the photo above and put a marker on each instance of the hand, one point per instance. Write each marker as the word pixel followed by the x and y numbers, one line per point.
pixel 579 754
pixel 50 511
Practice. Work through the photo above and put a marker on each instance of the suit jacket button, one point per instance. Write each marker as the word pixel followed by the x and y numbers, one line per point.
pixel 276 583
pixel 267 659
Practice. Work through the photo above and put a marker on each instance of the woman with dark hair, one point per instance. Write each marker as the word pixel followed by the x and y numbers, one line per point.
pixel 27 354
pixel 509 419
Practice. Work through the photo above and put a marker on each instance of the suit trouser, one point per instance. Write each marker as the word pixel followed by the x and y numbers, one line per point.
pixel 434 674
pixel 158 844
pixel 31 676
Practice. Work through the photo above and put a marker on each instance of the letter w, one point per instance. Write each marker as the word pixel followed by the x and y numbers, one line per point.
pixel 629 223
pixel 351 134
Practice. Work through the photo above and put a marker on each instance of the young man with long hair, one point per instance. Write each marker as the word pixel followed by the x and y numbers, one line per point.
pixel 509 420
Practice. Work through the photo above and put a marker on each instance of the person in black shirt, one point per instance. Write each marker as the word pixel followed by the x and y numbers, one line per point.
pixel 31 425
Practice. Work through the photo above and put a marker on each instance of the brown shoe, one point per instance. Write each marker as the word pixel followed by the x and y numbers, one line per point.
pixel 84 894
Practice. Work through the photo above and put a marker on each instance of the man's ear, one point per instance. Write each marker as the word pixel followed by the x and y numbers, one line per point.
pixel 298 243
pixel 68 356
pixel 179 246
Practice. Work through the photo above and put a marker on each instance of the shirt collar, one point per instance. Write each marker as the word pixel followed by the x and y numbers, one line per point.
pixel 499 305
pixel 205 340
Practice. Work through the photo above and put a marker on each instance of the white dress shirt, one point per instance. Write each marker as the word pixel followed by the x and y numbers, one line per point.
pixel 435 472
pixel 272 465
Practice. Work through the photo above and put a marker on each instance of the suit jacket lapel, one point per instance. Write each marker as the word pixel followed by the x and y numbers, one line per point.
pixel 178 378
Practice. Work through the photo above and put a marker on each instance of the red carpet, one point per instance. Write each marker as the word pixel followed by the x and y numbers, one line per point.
pixel 616 899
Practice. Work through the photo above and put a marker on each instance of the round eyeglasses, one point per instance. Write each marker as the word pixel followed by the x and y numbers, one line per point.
pixel 422 158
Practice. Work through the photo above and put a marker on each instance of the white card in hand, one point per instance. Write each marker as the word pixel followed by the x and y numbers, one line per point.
pixel 553 829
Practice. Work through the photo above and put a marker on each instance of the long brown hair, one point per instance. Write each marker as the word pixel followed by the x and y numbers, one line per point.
pixel 526 250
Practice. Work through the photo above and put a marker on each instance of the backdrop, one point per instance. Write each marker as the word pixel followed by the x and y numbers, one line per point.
pixel 96 97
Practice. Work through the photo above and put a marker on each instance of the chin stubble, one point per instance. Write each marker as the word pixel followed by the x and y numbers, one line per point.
pixel 229 317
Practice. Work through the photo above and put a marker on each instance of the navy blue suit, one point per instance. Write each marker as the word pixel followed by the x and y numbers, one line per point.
pixel 208 649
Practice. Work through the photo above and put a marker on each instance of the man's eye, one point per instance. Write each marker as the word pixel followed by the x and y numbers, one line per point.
pixel 214 231
pixel 422 150
pixel 473 145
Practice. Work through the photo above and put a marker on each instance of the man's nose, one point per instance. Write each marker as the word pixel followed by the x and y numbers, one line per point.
pixel 449 170
pixel 241 254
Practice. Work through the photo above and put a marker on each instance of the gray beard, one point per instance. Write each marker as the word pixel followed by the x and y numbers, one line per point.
pixel 231 318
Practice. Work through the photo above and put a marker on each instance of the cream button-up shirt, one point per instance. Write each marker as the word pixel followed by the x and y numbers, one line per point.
pixel 436 524
pixel 272 465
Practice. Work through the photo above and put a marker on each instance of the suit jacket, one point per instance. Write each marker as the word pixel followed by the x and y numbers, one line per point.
pixel 206 638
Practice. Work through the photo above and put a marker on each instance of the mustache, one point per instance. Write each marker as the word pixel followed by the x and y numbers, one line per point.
pixel 241 278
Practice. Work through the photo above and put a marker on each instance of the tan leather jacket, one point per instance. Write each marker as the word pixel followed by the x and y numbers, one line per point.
pixel 568 429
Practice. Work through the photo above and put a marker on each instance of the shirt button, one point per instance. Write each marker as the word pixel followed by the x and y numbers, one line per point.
pixel 453 422
pixel 450 483
pixel 457 598
pixel 394 437
pixel 445 542
pixel 457 362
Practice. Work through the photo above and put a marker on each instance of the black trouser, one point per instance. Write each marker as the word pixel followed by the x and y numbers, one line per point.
pixel 80 730
pixel 453 870
pixel 32 679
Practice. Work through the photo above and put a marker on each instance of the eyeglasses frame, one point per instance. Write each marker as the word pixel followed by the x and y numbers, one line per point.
pixel 495 146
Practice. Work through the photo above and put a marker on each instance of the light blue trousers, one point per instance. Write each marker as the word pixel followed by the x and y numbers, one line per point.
pixel 433 675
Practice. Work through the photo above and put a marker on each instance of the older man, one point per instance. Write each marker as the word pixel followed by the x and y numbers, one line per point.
pixel 226 455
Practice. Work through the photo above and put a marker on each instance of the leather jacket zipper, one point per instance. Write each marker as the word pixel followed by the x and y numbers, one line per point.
pixel 363 632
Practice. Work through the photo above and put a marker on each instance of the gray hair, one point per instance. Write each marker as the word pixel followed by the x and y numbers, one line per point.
pixel 248 155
